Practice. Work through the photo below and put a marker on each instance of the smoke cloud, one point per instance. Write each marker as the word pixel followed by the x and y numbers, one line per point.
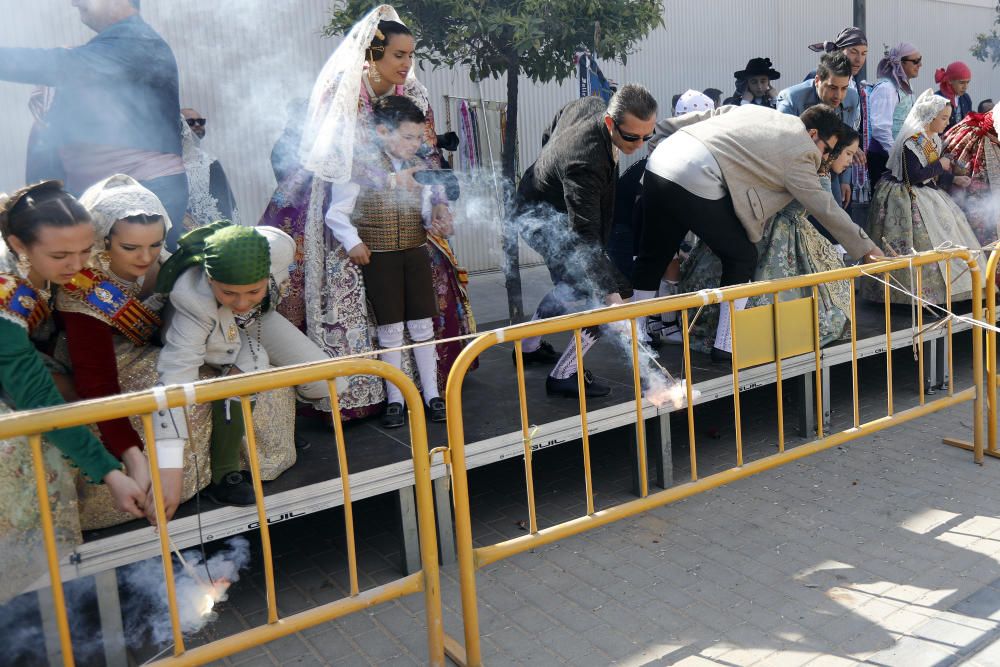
pixel 145 609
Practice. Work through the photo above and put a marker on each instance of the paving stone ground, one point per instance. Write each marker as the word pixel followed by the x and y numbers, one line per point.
pixel 884 551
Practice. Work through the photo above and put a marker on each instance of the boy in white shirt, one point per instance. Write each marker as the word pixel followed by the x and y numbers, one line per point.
pixel 381 218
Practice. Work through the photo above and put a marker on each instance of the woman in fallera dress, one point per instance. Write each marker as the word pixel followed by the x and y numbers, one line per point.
pixel 47 239
pixel 326 291
pixel 911 209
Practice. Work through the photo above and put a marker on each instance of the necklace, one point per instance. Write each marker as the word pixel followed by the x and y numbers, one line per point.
pixel 245 320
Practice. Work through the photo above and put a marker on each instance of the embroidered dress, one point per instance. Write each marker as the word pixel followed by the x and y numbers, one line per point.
pixel 26 384
pixel 335 313
pixel 790 246
pixel 110 356
pixel 913 213
pixel 974 145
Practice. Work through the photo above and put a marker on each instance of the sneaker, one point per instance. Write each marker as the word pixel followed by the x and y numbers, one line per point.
pixel 569 387
pixel 545 354
pixel 394 417
pixel 436 410
pixel 235 488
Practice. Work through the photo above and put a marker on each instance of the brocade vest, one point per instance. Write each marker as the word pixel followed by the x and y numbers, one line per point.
pixel 389 219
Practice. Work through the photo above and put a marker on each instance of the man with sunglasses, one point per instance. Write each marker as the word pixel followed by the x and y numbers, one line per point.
pixel 564 210
pixel 211 197
pixel 723 174
pixel 195 121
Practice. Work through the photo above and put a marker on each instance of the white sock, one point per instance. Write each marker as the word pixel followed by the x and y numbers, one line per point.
pixel 425 356
pixel 566 365
pixel 724 334
pixel 641 322
pixel 667 288
pixel 533 343
pixel 391 335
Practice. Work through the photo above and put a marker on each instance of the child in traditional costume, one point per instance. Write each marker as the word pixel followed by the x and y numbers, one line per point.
pixel 50 235
pixel 383 225
pixel 911 209
pixel 224 283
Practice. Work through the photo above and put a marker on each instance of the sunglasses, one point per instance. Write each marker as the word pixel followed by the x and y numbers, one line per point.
pixel 827 150
pixel 915 61
pixel 632 138
pixel 195 122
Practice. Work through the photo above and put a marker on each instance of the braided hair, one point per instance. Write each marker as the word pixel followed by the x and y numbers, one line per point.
pixel 28 209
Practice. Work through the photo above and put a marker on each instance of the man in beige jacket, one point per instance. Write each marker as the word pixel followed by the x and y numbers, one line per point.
pixel 723 174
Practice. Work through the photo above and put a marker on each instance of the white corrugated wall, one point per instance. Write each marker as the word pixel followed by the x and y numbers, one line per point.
pixel 241 61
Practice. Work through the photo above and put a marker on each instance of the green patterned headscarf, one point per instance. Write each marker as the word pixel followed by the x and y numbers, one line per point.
pixel 237 255
pixel 230 253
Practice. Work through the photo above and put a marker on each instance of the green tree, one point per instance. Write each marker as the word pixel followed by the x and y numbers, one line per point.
pixel 534 38
pixel 987 46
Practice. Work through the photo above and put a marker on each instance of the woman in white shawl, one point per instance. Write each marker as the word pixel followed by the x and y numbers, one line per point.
pixel 326 294
pixel 911 209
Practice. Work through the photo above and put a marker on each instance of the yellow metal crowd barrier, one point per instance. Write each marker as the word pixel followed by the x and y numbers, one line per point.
pixel 992 378
pixel 786 328
pixel 34 424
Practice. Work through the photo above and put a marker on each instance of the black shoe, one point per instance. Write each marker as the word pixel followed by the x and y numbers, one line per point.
pixel 568 386
pixel 545 354
pixel 301 444
pixel 436 410
pixel 394 416
pixel 234 489
pixel 721 356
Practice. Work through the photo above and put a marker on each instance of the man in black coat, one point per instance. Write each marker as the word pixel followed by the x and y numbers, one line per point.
pixel 564 211
pixel 115 108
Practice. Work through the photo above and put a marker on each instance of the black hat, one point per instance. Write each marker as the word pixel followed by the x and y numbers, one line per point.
pixel 758 67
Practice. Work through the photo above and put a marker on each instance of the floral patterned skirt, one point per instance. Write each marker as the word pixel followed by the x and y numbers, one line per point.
pixel 790 246
pixel 274 424
pixel 928 219
pixel 22 545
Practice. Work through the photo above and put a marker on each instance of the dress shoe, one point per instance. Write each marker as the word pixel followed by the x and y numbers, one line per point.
pixel 235 488
pixel 545 354
pixel 721 356
pixel 569 387
pixel 436 410
pixel 394 417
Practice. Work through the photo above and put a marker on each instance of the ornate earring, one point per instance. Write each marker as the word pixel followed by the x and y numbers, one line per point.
pixel 104 260
pixel 23 266
pixel 373 74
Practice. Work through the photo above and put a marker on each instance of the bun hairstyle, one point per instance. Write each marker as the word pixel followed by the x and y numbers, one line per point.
pixel 28 209
pixel 384 33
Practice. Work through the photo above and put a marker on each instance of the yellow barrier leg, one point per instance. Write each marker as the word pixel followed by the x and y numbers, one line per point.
pixel 51 554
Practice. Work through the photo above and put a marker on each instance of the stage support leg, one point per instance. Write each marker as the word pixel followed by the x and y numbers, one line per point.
pixel 47 610
pixel 445 527
pixel 409 539
pixel 112 628
pixel 807 406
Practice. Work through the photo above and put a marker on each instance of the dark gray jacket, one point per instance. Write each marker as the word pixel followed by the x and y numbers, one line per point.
pixel 118 89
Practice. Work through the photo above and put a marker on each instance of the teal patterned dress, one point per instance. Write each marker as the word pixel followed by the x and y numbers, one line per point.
pixel 790 246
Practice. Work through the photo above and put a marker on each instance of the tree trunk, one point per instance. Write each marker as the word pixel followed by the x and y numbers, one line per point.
pixel 511 264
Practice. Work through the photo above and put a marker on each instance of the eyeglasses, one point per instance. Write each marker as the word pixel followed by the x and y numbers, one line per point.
pixel 915 61
pixel 195 122
pixel 827 149
pixel 632 138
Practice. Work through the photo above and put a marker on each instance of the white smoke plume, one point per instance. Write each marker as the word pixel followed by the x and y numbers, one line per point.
pixel 145 609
